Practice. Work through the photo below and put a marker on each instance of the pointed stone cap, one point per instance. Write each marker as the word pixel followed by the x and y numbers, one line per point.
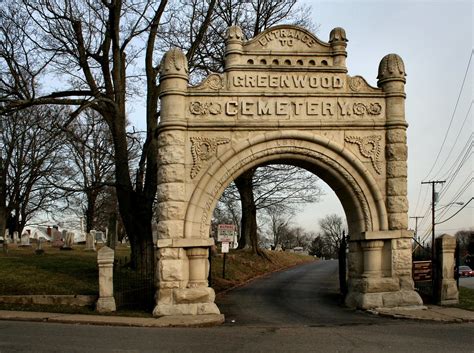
pixel 391 68
pixel 174 62
pixel 338 34
pixel 234 33
pixel 105 254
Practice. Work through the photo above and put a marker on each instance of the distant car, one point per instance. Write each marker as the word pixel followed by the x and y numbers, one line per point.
pixel 465 271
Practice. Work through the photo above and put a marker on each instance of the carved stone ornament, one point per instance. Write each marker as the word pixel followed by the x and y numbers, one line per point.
pixel 338 34
pixel 371 108
pixel 174 61
pixel 356 83
pixel 235 33
pixel 202 150
pixel 213 81
pixel 204 109
pixel 391 66
pixel 369 147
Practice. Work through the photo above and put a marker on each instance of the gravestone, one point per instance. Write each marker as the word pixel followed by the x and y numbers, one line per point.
pixel 90 241
pixel 56 238
pixel 16 238
pixel 99 237
pixel 68 241
pixel 25 240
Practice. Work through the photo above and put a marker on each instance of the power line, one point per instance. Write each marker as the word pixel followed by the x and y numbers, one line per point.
pixel 447 219
pixel 452 116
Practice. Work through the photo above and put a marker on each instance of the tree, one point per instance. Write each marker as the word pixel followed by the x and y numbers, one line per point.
pixel 96 47
pixel 332 230
pixel 276 188
pixel 31 155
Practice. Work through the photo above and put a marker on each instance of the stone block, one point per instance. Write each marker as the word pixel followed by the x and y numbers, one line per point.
pixel 171 173
pixel 207 308
pixel 449 293
pixel 364 300
pixel 397 204
pixel 175 309
pixel 168 253
pixel 401 298
pixel 165 296
pixel 397 169
pixel 171 154
pixel 171 210
pixel 406 282
pixel 170 192
pixel 105 305
pixel 169 284
pixel 170 229
pixel 402 243
pixel 173 270
pixel 397 187
pixel 398 221
pixel 396 152
pixel 396 136
pixel 171 138
pixel 401 259
pixel 194 295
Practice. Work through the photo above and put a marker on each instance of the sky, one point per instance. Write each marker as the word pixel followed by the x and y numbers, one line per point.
pixel 435 41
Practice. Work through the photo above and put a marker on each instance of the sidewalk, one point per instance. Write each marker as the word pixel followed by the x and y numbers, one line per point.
pixel 427 313
pixel 165 321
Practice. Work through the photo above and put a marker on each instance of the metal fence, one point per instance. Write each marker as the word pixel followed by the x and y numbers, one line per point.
pixel 133 289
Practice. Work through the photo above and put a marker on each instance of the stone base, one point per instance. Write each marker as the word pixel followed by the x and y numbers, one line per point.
pixel 448 292
pixel 106 305
pixel 395 299
pixel 185 309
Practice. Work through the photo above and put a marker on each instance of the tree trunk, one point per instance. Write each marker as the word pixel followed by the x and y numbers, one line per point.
pixel 248 237
pixel 90 211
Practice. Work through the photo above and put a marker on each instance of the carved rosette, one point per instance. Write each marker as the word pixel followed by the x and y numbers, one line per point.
pixel 370 109
pixel 356 83
pixel 369 147
pixel 204 109
pixel 202 150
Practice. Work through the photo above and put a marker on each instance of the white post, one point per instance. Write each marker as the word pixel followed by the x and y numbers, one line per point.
pixel 105 260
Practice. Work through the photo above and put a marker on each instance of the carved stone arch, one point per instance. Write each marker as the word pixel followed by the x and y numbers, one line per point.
pixel 284 97
pixel 344 173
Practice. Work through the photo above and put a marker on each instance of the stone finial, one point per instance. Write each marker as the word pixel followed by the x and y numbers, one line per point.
pixel 174 62
pixel 234 33
pixel 391 67
pixel 338 34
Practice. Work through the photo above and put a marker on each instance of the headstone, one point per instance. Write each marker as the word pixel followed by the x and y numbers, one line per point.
pixel 278 247
pixel 90 241
pixel 68 240
pixel 56 236
pixel 39 248
pixel 25 239
pixel 99 237
pixel 16 238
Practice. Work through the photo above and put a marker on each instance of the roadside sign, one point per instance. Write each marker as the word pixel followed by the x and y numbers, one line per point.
pixel 225 247
pixel 225 233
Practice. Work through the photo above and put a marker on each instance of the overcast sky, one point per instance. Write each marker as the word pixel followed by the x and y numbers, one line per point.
pixel 435 40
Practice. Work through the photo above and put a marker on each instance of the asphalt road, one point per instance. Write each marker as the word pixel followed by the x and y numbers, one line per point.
pixel 306 295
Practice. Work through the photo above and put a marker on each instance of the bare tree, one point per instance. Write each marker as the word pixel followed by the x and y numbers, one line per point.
pixel 96 49
pixel 333 229
pixel 31 154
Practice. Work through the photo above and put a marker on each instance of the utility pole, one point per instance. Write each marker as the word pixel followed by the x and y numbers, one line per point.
pixel 416 226
pixel 433 201
pixel 434 272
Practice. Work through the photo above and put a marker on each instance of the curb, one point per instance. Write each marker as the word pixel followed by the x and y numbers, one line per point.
pixel 165 321
pixel 432 313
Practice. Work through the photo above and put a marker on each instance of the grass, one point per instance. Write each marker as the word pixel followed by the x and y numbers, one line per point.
pixel 466 298
pixel 22 272
pixel 58 272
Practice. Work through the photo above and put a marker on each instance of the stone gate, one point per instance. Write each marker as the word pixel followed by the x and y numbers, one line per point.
pixel 284 97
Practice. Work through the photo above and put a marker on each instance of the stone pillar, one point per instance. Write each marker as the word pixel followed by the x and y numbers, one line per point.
pixel 233 50
pixel 105 260
pixel 446 287
pixel 338 41
pixel 391 78
pixel 372 258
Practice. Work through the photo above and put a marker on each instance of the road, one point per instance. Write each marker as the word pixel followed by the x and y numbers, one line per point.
pixel 292 311
pixel 467 282
pixel 306 295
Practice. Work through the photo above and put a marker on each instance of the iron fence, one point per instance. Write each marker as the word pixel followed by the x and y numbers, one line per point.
pixel 133 289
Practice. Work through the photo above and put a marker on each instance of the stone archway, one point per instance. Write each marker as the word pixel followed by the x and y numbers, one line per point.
pixel 285 96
